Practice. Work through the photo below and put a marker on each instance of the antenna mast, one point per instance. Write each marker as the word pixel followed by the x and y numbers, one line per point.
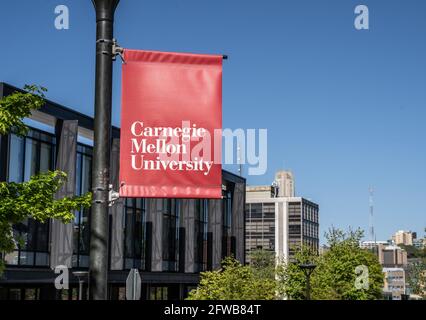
pixel 371 201
pixel 240 165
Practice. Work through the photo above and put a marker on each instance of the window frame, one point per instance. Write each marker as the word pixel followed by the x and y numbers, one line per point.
pixel 39 137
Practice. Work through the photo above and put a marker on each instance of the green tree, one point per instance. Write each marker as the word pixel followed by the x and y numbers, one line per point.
pixel 17 106
pixel 416 276
pixel 292 278
pixel 34 198
pixel 234 282
pixel 335 275
pixel 413 252
pixel 263 263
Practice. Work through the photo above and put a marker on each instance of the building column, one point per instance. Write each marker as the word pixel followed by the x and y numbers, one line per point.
pixel 117 212
pixel 61 235
pixel 155 220
pixel 281 230
pixel 238 221
pixel 215 228
pixel 188 224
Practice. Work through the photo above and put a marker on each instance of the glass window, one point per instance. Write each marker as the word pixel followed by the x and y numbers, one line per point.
pixel 31 158
pixel 30 155
pixel 158 293
pixel 81 231
pixel 15 294
pixel 45 157
pixel 170 236
pixel 135 234
pixel 16 163
pixel 201 232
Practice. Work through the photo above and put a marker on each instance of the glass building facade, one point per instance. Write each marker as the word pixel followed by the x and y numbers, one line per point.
pixel 135 234
pixel 81 227
pixel 260 226
pixel 170 235
pixel 30 155
pixel 168 240
pixel 303 226
pixel 291 221
pixel 201 234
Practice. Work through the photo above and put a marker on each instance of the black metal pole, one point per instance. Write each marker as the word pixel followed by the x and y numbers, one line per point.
pixel 307 269
pixel 308 286
pixel 98 271
pixel 80 289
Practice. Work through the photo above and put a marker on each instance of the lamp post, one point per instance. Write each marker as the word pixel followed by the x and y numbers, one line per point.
pixel 80 275
pixel 98 271
pixel 307 269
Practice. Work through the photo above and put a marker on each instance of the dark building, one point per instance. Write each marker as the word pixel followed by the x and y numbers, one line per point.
pixel 169 240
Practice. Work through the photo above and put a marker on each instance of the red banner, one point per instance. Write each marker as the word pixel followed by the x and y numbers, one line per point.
pixel 171 120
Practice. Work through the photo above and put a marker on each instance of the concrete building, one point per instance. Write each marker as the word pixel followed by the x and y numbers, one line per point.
pixel 285 182
pixel 279 224
pixel 403 237
pixel 394 261
pixel 389 254
pixel 372 245
pixel 392 256
pixel 394 283
pixel 170 241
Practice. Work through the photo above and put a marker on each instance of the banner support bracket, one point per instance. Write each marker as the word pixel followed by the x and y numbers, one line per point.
pixel 117 51
pixel 113 196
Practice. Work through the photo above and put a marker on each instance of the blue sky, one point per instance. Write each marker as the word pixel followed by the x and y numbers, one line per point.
pixel 344 109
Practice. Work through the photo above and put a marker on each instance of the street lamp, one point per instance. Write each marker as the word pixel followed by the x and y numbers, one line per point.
pixel 98 283
pixel 80 275
pixel 307 269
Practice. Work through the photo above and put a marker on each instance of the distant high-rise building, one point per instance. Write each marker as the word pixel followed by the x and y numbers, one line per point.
pixel 280 223
pixel 390 256
pixel 285 183
pixel 403 237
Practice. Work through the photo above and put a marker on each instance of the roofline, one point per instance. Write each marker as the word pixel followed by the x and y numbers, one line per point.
pixel 282 199
pixel 234 176
pixel 59 111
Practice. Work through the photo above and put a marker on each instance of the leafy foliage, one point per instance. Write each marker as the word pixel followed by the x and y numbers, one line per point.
pixel 17 106
pixel 416 276
pixel 262 263
pixel 334 277
pixel 233 282
pixel 413 252
pixel 293 280
pixel 35 198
